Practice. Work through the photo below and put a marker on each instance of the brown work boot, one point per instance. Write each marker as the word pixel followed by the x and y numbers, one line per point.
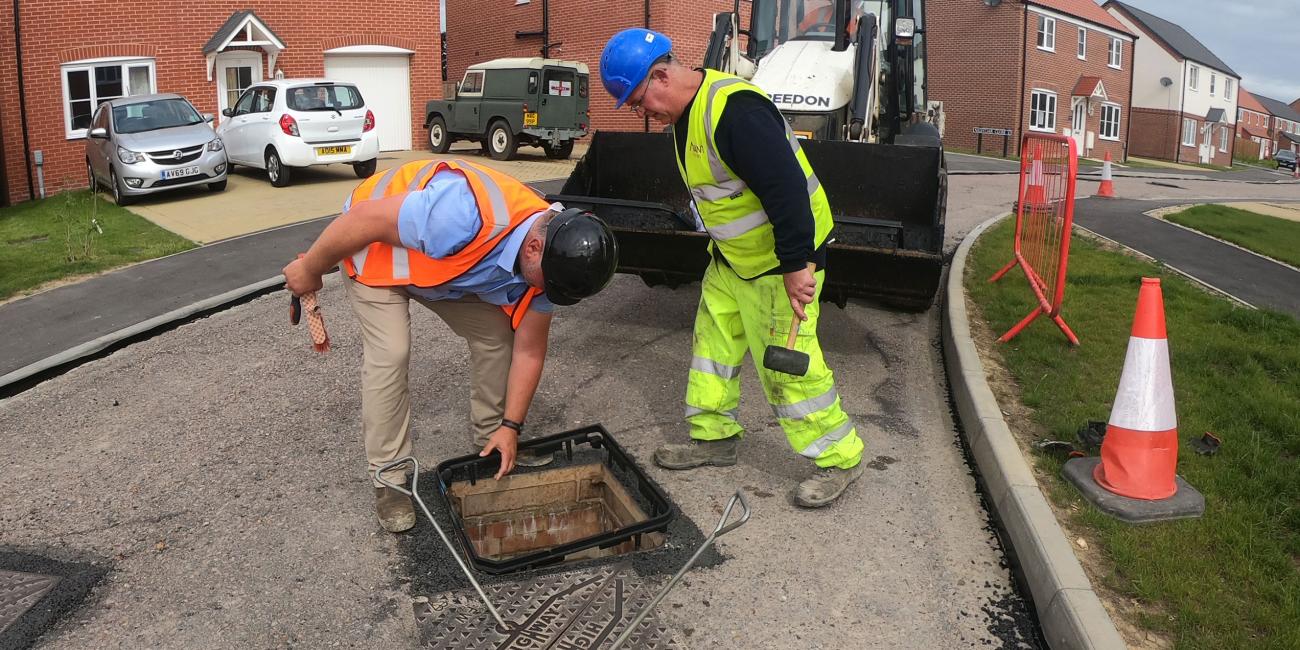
pixel 395 510
pixel 686 455
pixel 825 486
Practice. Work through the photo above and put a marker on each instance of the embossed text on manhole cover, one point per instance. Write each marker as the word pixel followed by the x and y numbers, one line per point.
pixel 19 591
pixel 578 609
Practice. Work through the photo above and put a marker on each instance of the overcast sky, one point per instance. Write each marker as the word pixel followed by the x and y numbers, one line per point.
pixel 1255 37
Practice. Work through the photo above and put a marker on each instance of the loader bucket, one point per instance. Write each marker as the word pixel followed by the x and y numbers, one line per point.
pixel 888 203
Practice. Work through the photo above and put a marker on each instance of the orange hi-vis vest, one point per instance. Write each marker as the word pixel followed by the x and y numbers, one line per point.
pixel 503 204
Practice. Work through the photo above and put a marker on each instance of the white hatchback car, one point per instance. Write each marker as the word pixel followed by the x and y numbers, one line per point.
pixel 285 123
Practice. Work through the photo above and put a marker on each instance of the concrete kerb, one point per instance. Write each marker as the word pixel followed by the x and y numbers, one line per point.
pixel 91 347
pixel 1069 611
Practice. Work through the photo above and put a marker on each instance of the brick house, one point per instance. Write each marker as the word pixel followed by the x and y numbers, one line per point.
pixel 1254 127
pixel 1284 130
pixel 1051 66
pixel 577 32
pixel 1184 97
pixel 206 52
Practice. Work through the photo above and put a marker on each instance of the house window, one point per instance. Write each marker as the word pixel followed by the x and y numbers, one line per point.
pixel 1083 43
pixel 87 84
pixel 1116 52
pixel 1223 139
pixel 1189 132
pixel 1194 78
pixel 1110 121
pixel 1227 88
pixel 1046 33
pixel 1042 113
pixel 1214 78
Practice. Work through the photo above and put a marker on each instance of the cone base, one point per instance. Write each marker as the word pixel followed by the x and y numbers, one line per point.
pixel 1186 503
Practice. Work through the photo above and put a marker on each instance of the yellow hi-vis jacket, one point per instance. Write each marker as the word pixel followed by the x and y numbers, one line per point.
pixel 503 204
pixel 731 212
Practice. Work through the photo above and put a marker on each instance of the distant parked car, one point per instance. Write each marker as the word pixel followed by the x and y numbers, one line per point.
pixel 152 143
pixel 1285 158
pixel 281 124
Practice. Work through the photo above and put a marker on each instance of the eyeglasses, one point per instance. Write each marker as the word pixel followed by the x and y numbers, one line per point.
pixel 634 105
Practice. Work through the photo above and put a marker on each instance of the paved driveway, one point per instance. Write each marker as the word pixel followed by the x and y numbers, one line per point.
pixel 250 204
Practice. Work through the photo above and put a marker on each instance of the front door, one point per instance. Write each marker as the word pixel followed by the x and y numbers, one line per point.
pixel 465 115
pixel 1079 123
pixel 1207 144
pixel 236 71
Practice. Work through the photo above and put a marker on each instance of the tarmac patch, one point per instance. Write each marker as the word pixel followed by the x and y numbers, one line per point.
pixel 882 463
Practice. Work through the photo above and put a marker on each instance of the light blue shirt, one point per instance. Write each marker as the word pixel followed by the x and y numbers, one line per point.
pixel 440 220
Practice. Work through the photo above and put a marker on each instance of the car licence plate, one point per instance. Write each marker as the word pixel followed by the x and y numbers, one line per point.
pixel 530 119
pixel 180 173
pixel 330 151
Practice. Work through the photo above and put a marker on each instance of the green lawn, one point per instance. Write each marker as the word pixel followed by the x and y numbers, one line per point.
pixel 1232 578
pixel 1268 236
pixel 71 234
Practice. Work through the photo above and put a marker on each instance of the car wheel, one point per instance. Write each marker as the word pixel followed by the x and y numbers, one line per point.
pixel 119 197
pixel 218 186
pixel 438 140
pixel 90 177
pixel 276 170
pixel 561 152
pixel 501 141
pixel 366 169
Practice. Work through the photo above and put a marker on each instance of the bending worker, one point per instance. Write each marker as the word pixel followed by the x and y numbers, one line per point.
pixel 768 221
pixel 489 257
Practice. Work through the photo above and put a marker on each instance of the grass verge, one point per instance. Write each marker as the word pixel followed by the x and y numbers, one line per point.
pixel 72 234
pixel 1232 578
pixel 1268 236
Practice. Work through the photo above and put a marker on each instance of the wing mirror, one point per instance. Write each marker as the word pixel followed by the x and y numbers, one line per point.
pixel 227 112
pixel 207 117
pixel 99 133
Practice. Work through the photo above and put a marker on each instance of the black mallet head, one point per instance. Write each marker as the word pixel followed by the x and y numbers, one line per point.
pixel 791 362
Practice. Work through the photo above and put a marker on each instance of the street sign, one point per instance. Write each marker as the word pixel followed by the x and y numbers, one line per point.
pixel 990 131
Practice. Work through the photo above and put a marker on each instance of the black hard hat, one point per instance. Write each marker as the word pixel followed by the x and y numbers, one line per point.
pixel 580 257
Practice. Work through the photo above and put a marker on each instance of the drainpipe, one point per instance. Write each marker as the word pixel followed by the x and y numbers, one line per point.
pixel 4 178
pixel 22 100
pixel 1182 100
pixel 1128 128
pixel 1024 74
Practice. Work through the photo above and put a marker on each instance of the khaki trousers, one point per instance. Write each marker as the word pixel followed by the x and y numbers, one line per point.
pixel 386 337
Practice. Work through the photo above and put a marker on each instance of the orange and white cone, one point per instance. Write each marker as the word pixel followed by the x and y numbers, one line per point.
pixel 1107 187
pixel 1035 192
pixel 1139 454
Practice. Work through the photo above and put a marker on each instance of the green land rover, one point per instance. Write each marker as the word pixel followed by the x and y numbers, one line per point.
pixel 505 103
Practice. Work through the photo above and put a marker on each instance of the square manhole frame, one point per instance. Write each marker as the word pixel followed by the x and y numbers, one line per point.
pixel 474 468
pixel 76 579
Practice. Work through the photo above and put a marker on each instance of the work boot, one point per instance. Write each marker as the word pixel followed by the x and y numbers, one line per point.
pixel 533 458
pixel 685 455
pixel 395 510
pixel 825 486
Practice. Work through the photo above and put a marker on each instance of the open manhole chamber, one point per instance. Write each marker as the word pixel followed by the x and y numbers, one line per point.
pixel 592 502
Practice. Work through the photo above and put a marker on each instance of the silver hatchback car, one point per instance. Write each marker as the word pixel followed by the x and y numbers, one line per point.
pixel 152 143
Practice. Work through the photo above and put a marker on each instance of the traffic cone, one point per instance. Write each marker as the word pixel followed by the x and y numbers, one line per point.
pixel 1139 454
pixel 1035 192
pixel 1107 187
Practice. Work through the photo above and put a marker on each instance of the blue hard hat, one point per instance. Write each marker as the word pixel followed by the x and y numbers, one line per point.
pixel 627 59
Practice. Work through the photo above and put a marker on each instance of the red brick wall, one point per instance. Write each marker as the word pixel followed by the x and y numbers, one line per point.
pixel 1159 134
pixel 974 53
pixel 1060 71
pixel 583 29
pixel 176 32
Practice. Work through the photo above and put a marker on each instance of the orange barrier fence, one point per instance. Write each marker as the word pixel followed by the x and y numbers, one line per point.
pixel 1044 216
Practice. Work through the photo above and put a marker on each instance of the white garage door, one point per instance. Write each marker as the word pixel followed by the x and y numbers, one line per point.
pixel 385 83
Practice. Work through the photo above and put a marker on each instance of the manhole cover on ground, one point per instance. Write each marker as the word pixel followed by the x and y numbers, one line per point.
pixel 563 611
pixel 36 591
pixel 19 591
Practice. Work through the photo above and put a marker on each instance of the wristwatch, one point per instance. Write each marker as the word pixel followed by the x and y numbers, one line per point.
pixel 511 424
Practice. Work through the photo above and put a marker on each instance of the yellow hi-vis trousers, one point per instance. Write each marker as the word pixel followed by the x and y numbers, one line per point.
pixel 737 316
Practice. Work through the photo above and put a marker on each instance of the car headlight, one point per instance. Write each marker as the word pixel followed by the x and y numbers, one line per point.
pixel 129 157
pixel 216 145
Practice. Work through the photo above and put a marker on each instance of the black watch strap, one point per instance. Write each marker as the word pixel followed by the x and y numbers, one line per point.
pixel 511 424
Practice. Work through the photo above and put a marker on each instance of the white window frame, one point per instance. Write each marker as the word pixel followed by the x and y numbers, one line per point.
pixel 1049 114
pixel 1083 44
pixel 1116 53
pixel 1214 81
pixel 1223 139
pixel 1101 130
pixel 88 66
pixel 1189 129
pixel 482 79
pixel 1046 33
pixel 1194 77
pixel 1227 88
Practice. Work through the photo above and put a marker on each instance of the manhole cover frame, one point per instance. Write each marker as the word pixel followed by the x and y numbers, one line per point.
pixel 474 468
